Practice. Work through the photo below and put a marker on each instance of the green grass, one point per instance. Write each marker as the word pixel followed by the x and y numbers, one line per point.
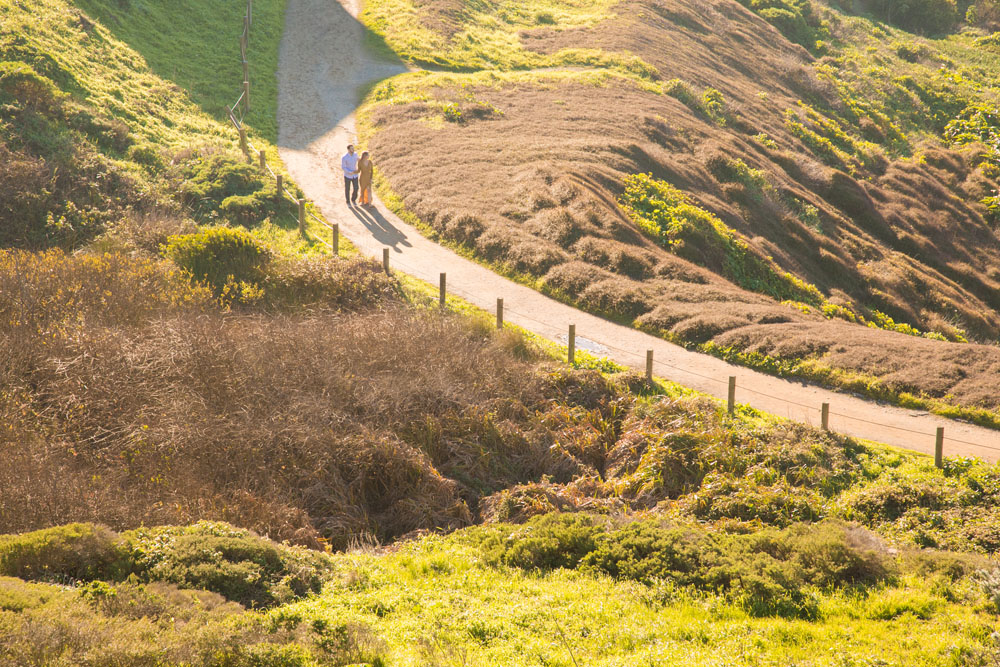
pixel 165 71
pixel 488 35
pixel 195 45
pixel 435 602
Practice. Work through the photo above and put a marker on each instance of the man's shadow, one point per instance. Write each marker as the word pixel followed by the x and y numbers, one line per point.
pixel 382 230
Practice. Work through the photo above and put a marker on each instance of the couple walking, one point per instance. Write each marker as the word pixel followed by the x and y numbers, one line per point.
pixel 357 176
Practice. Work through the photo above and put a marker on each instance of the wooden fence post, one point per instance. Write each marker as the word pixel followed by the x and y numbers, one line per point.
pixel 279 185
pixel 499 313
pixel 732 394
pixel 302 217
pixel 649 366
pixel 243 143
pixel 263 160
pixel 246 70
pixel 385 259
pixel 571 344
pixel 442 289
pixel 246 96
pixel 335 234
pixel 825 417
pixel 939 448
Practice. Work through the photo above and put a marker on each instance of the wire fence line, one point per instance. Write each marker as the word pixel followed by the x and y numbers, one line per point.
pixel 237 114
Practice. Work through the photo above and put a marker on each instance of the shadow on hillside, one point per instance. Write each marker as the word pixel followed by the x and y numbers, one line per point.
pixel 196 45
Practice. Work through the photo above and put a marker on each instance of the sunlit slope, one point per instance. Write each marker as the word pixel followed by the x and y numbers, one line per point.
pixel 100 100
pixel 778 194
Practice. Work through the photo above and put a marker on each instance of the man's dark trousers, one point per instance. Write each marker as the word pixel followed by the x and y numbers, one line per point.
pixel 350 183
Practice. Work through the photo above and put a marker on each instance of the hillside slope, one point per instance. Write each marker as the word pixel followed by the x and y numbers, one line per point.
pixel 777 174
pixel 114 115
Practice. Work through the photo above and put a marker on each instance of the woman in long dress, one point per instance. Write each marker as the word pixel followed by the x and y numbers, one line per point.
pixel 365 168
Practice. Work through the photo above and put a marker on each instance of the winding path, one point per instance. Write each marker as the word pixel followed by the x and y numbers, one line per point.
pixel 324 65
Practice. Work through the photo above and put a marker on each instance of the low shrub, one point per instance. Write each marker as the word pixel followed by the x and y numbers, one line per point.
pixel 742 499
pixel 325 283
pixel 232 562
pixel 223 185
pixel 548 542
pixel 219 256
pixel 770 572
pixel 984 14
pixel 74 551
pixel 797 20
pixel 216 557
pixel 932 17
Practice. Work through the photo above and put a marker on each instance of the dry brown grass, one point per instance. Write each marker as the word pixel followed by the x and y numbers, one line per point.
pixel 539 186
pixel 130 397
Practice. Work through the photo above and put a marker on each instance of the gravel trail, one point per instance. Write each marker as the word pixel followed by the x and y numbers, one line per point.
pixel 323 68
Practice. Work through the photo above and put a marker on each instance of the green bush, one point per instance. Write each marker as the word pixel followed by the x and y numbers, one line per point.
pixel 219 256
pixel 770 572
pixel 789 23
pixel 984 14
pixel 224 186
pixel 217 557
pixel 74 551
pixel 931 17
pixel 744 499
pixel 23 86
pixel 795 19
pixel 547 542
pixel 889 500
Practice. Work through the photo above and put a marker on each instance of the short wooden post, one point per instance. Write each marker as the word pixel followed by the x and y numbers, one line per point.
pixel 246 26
pixel 442 289
pixel 243 143
pixel 732 394
pixel 246 96
pixel 279 185
pixel 499 313
pixel 249 12
pixel 571 344
pixel 302 217
pixel 246 69
pixel 335 239
pixel 939 448
pixel 649 366
pixel 824 418
pixel 263 160
pixel 385 259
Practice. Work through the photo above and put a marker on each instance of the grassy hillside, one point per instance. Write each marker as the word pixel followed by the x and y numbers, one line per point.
pixel 801 189
pixel 177 392
pixel 115 113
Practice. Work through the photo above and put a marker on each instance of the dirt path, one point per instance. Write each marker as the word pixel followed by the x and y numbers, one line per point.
pixel 324 65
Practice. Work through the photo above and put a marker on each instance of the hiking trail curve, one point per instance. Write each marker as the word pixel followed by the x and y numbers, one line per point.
pixel 323 66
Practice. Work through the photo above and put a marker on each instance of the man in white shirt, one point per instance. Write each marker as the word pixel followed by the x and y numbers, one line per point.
pixel 349 163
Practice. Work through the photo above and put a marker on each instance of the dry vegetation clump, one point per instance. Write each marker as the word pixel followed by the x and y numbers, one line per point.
pixel 887 225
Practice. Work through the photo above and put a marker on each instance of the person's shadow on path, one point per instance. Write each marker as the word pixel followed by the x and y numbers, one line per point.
pixel 382 230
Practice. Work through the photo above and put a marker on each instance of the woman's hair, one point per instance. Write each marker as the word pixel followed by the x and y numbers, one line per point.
pixel 364 155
